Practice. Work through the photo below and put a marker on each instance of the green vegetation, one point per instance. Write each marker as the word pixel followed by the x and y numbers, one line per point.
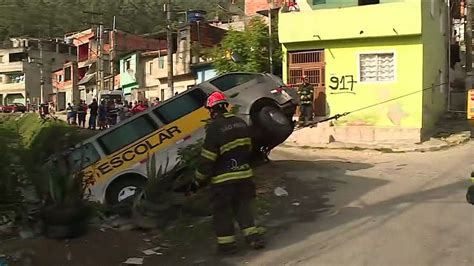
pixel 25 143
pixel 249 48
pixel 54 18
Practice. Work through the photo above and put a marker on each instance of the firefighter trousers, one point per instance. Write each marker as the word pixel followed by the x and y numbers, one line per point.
pixel 306 114
pixel 233 200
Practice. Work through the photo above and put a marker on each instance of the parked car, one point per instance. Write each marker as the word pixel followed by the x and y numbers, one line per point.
pixel 13 108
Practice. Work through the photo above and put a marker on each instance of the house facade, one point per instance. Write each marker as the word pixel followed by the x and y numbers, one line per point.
pixel 377 51
pixel 65 87
pixel 116 44
pixel 26 64
pixel 150 78
pixel 130 75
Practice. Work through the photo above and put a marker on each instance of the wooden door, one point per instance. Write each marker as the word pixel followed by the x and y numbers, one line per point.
pixel 312 65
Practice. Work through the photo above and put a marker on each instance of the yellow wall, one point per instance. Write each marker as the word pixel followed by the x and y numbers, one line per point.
pixel 406 27
pixel 342 60
pixel 382 20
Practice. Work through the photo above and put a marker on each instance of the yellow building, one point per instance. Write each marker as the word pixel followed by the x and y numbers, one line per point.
pixel 362 52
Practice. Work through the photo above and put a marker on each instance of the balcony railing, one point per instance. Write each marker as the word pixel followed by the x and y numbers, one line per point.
pixel 11 67
pixel 12 87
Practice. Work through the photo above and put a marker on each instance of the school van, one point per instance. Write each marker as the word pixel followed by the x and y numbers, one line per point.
pixel 116 158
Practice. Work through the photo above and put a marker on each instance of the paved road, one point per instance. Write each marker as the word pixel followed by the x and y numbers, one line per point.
pixel 399 209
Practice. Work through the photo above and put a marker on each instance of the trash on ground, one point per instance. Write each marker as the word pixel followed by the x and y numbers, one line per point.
pixel 26 234
pixel 296 203
pixel 134 261
pixel 149 252
pixel 280 192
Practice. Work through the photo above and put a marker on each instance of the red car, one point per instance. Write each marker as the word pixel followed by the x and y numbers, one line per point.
pixel 13 108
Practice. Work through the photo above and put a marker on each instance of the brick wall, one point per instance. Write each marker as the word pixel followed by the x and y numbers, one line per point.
pixel 252 6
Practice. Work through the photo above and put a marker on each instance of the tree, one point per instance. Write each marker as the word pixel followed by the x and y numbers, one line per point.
pixel 248 50
pixel 54 18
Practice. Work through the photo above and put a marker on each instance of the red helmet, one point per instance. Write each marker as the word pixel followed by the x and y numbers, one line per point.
pixel 216 98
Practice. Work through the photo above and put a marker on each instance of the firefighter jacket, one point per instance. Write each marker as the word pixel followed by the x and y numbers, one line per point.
pixel 225 155
pixel 306 93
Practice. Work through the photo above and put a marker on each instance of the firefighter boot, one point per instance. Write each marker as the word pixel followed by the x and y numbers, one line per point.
pixel 255 241
pixel 227 249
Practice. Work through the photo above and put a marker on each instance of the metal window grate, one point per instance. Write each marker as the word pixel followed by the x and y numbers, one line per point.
pixel 307 57
pixel 377 67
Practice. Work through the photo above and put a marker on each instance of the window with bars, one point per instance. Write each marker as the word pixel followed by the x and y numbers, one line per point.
pixel 377 67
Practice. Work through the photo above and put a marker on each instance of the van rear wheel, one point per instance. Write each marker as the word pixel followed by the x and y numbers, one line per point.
pixel 124 188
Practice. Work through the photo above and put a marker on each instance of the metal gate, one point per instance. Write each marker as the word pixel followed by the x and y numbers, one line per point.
pixel 310 64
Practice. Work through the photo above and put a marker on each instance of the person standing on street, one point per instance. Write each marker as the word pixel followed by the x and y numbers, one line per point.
pixel 93 107
pixel 75 109
pixel 102 115
pixel 69 113
pixel 156 102
pixel 81 114
pixel 225 163
pixel 306 93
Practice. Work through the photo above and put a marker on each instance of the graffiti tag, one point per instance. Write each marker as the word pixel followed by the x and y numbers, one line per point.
pixel 343 84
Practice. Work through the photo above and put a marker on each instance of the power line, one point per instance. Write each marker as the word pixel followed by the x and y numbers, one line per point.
pixel 337 116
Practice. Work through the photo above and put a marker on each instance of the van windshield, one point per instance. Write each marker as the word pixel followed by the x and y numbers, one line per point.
pixel 83 156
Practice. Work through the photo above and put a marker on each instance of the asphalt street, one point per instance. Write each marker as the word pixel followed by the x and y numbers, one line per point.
pixel 382 209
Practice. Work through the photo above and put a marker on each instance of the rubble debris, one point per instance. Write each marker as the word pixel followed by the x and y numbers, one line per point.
pixel 152 251
pixel 280 192
pixel 149 252
pixel 26 234
pixel 134 261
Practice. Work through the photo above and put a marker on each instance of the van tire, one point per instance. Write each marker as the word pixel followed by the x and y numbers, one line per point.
pixel 121 184
pixel 275 125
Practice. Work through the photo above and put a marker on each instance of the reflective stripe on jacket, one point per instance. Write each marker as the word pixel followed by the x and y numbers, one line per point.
pixel 306 93
pixel 226 151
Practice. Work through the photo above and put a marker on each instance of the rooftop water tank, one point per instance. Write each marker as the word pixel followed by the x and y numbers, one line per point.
pixel 196 15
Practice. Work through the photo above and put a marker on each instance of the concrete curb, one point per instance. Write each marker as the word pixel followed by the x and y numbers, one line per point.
pixel 434 144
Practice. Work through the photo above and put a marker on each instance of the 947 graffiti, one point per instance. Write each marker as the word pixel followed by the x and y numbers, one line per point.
pixel 343 84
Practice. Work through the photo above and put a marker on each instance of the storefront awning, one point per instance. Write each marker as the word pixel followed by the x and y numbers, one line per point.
pixel 88 78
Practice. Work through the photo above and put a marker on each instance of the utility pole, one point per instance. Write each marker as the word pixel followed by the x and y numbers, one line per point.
pixel 270 38
pixel 100 52
pixel 169 39
pixel 113 53
pixel 468 36
pixel 100 69
pixel 41 66
pixel 101 57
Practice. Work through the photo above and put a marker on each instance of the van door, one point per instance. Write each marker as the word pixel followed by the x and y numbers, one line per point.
pixel 179 111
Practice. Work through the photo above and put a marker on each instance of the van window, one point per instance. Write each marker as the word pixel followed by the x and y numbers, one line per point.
pixel 230 81
pixel 127 133
pixel 83 156
pixel 181 106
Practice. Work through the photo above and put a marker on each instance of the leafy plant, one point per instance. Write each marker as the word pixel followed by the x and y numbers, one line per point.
pixel 66 185
pixel 250 47
pixel 159 186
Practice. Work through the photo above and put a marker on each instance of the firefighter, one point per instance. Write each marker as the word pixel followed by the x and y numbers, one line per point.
pixel 225 164
pixel 306 93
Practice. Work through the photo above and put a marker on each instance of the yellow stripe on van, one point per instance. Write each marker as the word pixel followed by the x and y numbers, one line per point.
pixel 139 150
